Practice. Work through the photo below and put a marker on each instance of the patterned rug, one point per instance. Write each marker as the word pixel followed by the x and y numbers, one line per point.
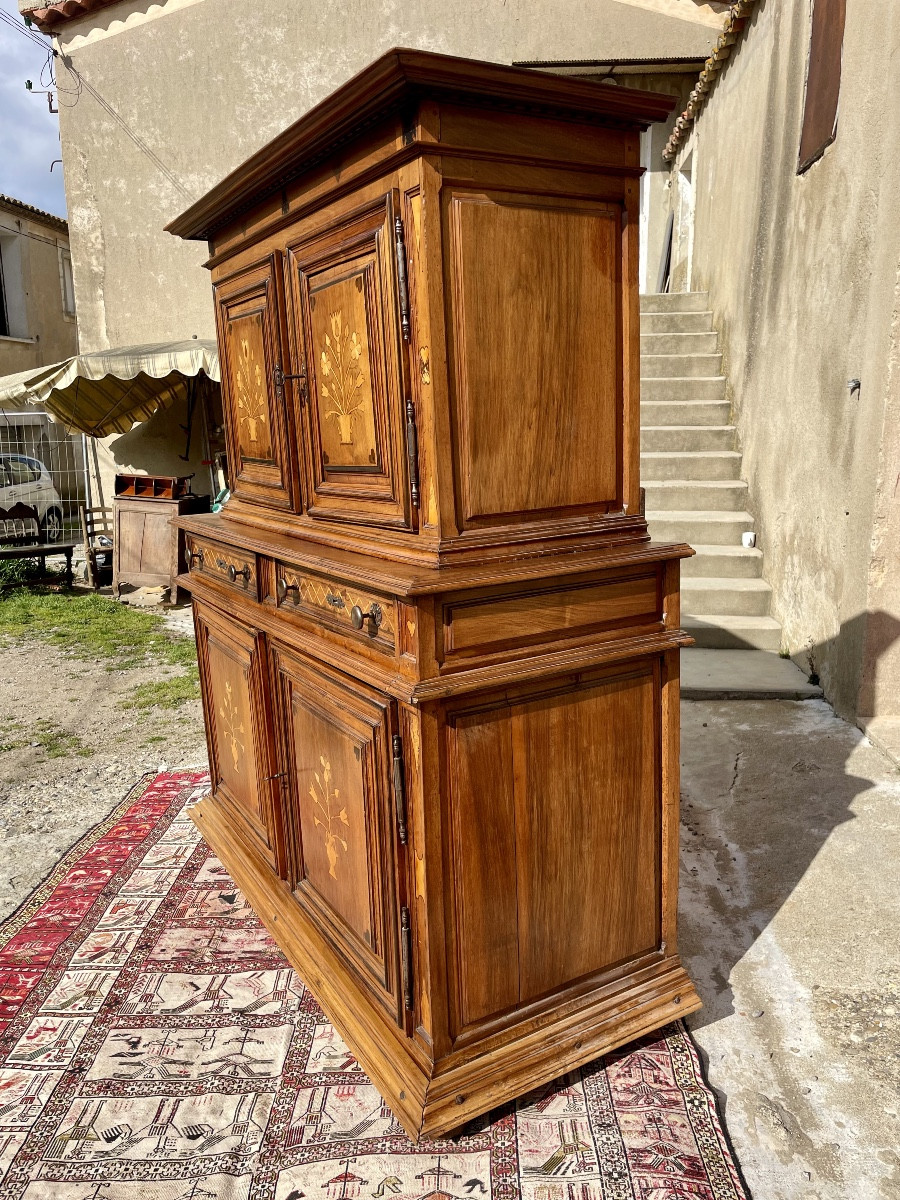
pixel 156 1046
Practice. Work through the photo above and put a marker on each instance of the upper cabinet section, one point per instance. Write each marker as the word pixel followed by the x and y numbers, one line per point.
pixel 451 250
pixel 249 315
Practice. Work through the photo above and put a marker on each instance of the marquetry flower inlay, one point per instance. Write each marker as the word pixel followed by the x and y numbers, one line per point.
pixel 251 400
pixel 329 818
pixel 340 367
pixel 232 725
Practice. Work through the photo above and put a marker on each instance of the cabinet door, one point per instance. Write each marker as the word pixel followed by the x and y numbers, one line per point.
pixel 334 734
pixel 346 331
pixel 248 307
pixel 231 656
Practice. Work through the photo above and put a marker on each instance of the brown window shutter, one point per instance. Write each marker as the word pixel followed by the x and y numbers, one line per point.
pixel 823 80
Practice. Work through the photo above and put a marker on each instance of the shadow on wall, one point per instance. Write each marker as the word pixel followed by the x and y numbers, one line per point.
pixel 761 794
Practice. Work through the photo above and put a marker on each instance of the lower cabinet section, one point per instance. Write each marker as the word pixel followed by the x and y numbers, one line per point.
pixel 480 888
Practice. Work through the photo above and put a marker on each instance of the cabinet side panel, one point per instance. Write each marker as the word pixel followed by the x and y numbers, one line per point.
pixel 537 372
pixel 484 864
pixel 588 830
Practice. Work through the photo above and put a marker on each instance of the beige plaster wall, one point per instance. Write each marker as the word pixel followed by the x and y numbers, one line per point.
pixel 46 334
pixel 189 88
pixel 803 277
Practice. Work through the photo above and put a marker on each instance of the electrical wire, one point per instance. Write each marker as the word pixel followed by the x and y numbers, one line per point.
pixel 10 20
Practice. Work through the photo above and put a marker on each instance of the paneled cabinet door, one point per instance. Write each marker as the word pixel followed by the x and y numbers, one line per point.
pixel 249 313
pixel 333 742
pixel 345 305
pixel 232 674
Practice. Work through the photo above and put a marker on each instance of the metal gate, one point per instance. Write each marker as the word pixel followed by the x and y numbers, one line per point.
pixel 43 478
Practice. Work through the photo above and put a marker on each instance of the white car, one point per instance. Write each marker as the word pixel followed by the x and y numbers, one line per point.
pixel 29 503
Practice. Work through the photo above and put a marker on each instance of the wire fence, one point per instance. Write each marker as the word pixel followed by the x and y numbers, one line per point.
pixel 44 479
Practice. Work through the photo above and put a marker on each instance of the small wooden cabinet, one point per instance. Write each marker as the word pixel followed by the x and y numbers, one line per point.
pixel 148 549
pixel 439 653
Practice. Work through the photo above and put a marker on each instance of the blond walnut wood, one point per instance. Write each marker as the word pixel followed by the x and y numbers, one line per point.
pixel 439 654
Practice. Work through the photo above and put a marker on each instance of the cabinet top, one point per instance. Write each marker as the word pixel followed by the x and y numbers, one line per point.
pixel 396 81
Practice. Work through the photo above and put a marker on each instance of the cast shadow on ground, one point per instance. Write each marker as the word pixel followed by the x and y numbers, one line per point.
pixel 752 825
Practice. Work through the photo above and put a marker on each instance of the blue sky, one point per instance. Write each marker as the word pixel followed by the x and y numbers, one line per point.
pixel 29 134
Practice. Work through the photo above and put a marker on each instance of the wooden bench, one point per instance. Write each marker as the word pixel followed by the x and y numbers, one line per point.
pixel 42 550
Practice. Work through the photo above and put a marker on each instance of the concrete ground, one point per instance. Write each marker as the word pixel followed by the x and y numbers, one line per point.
pixel 790 909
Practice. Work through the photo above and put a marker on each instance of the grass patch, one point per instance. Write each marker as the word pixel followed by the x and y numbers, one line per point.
pixel 94 627
pixel 44 735
pixel 167 693
pixel 19 572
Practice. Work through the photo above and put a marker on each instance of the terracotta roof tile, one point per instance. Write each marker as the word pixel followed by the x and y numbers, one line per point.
pixel 13 205
pixel 737 19
pixel 49 17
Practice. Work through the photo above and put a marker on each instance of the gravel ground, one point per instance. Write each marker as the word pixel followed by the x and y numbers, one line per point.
pixel 70 749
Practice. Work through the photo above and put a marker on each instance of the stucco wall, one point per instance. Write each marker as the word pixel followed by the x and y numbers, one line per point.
pixel 803 277
pixel 198 85
pixel 45 334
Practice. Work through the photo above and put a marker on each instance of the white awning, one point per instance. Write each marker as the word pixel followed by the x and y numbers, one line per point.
pixel 110 391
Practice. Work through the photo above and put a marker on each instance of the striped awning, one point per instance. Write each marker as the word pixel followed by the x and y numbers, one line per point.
pixel 110 391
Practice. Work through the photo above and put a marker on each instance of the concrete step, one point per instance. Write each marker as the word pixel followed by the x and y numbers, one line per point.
pixel 680 366
pixel 690 464
pixel 676 322
pixel 699 528
pixel 667 302
pixel 655 413
pixel 686 438
pixel 679 343
pixel 724 631
pixel 664 495
pixel 742 675
pixel 683 390
pixel 723 562
pixel 738 597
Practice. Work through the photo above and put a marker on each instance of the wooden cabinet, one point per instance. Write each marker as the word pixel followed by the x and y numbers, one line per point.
pixel 439 650
pixel 148 549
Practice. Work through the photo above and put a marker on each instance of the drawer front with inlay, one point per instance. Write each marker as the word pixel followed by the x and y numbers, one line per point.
pixel 223 563
pixel 487 623
pixel 337 604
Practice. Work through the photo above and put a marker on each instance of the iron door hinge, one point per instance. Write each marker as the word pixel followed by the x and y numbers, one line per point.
pixel 402 281
pixel 412 452
pixel 399 786
pixel 406 958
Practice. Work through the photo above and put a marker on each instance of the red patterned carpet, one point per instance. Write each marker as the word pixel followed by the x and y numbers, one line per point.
pixel 156 1046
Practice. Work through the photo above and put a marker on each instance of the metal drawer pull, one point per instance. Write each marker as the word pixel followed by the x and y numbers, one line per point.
pixel 196 555
pixel 234 573
pixel 372 619
pixel 283 588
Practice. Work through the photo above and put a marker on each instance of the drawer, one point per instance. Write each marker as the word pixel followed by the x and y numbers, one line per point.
pixel 472 625
pixel 235 568
pixel 332 602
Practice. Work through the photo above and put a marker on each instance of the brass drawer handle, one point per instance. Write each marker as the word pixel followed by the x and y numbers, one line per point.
pixel 371 619
pixel 196 555
pixel 234 574
pixel 283 588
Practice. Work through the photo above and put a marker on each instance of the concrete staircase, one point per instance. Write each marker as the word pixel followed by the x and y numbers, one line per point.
pixel 691 470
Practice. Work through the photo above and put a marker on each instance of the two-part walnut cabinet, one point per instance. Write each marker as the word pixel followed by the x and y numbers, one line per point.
pixel 439 652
